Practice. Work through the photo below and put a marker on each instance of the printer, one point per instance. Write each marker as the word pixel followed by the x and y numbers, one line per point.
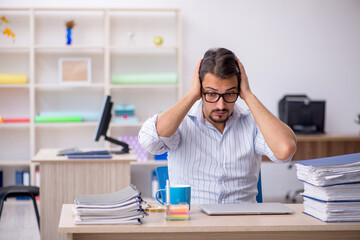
pixel 302 115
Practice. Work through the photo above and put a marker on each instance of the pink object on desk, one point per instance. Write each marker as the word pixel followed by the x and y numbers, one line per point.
pixel 135 147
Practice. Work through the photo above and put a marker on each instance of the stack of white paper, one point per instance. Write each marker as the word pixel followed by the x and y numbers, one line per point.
pixel 337 192
pixel 331 187
pixel 122 207
pixel 332 211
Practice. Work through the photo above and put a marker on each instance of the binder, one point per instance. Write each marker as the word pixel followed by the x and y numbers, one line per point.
pixel 332 211
pixel 331 187
pixel 335 160
pixel 330 170
pixel 20 180
pixel 336 192
pixel 122 207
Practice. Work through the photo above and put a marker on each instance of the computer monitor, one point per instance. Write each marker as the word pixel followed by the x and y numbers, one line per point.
pixel 103 126
pixel 304 116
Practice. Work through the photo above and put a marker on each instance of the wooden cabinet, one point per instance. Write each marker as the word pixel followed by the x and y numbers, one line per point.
pixel 325 145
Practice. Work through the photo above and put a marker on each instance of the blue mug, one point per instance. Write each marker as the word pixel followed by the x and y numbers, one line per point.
pixel 178 194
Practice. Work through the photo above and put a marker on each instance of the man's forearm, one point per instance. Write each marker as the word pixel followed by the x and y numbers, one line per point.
pixel 279 137
pixel 169 121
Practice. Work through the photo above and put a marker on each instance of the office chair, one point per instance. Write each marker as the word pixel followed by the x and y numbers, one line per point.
pixel 162 175
pixel 20 191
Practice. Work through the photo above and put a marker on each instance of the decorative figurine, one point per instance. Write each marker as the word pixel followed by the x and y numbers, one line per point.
pixel 158 41
pixel 69 26
pixel 7 31
pixel 3 20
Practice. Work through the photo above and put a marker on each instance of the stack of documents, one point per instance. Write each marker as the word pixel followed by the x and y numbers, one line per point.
pixel 122 207
pixel 331 187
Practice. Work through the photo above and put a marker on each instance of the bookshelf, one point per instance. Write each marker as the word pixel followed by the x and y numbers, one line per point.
pixel 116 41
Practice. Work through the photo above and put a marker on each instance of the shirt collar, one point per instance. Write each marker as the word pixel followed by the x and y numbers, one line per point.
pixel 196 111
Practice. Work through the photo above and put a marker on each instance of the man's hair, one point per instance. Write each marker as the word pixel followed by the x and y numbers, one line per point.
pixel 221 62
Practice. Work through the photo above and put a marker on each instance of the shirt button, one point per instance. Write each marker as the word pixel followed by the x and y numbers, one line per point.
pixel 220 201
pixel 221 165
pixel 220 182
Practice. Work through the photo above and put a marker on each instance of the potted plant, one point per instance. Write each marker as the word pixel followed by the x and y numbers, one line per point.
pixel 358 120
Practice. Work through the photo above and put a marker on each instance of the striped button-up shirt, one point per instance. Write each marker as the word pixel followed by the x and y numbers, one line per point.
pixel 220 168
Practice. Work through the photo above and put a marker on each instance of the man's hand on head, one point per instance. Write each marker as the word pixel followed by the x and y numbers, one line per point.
pixel 195 87
pixel 244 84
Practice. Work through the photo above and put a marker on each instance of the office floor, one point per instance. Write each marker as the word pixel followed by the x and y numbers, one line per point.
pixel 18 221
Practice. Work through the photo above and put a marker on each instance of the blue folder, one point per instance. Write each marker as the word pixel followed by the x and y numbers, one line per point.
pixel 336 160
pixel 101 156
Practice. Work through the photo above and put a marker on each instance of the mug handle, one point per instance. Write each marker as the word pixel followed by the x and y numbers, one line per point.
pixel 156 196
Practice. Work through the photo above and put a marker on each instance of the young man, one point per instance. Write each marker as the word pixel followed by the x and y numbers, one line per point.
pixel 213 145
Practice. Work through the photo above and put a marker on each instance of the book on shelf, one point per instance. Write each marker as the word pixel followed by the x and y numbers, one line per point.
pixel 37 181
pixel 122 207
pixel 331 187
pixel 22 178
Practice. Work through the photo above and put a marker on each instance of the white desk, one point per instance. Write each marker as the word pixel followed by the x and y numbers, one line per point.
pixel 62 179
pixel 201 226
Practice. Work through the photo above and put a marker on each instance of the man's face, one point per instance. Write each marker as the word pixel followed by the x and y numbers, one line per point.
pixel 220 111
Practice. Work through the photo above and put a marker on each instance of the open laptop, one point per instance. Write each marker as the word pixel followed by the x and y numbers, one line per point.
pixel 245 209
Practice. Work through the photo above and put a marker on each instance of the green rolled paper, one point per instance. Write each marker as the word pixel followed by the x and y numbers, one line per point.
pixel 85 115
pixel 144 78
pixel 57 119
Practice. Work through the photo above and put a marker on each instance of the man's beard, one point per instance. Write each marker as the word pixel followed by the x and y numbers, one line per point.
pixel 219 120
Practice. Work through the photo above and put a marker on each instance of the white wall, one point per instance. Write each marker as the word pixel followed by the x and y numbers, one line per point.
pixel 287 46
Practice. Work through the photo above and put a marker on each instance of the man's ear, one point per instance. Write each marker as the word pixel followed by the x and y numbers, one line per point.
pixel 239 75
pixel 201 87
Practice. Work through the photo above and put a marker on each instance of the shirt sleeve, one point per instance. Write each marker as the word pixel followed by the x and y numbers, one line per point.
pixel 151 142
pixel 262 148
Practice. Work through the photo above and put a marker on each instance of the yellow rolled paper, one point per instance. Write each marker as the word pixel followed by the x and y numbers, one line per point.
pixel 13 78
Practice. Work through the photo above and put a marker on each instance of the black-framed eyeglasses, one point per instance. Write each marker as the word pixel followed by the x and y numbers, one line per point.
pixel 214 97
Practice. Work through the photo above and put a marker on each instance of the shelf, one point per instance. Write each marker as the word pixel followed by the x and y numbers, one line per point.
pixel 16 11
pixel 114 125
pixel 14 85
pixel 142 50
pixel 15 125
pixel 14 162
pixel 101 35
pixel 62 11
pixel 60 87
pixel 115 10
pixel 14 49
pixel 62 125
pixel 69 49
pixel 134 86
